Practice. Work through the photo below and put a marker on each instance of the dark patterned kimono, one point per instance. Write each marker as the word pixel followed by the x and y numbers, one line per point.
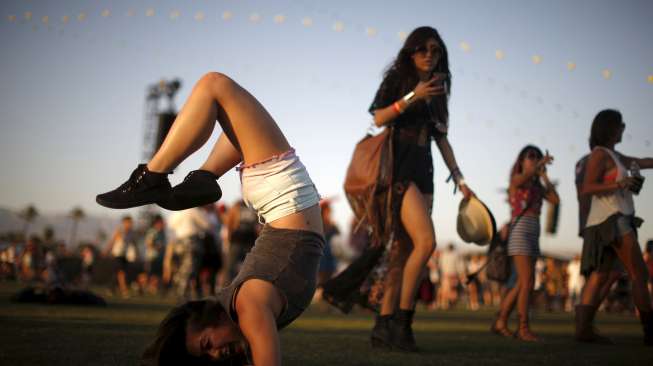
pixel 412 132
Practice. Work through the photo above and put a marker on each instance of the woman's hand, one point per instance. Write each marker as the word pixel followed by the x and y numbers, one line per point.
pixel 430 88
pixel 546 160
pixel 467 193
pixel 630 183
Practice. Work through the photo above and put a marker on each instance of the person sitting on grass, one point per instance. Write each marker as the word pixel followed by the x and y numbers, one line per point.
pixel 278 278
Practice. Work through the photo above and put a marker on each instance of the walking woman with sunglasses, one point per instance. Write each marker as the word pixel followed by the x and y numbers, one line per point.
pixel 611 229
pixel 529 187
pixel 413 99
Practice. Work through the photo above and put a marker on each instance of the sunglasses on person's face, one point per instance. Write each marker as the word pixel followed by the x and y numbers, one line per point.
pixel 532 155
pixel 424 50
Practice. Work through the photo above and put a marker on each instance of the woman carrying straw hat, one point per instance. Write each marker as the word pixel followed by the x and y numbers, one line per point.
pixel 413 99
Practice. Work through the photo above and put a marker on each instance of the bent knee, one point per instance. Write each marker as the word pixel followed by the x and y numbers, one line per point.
pixel 215 81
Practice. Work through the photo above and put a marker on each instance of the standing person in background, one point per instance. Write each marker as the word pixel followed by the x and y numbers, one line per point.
pixel 155 247
pixel 529 187
pixel 575 283
pixel 413 100
pixel 611 228
pixel 435 278
pixel 648 259
pixel 474 286
pixel 212 259
pixel 123 238
pixel 452 268
pixel 189 227
pixel 242 230
pixel 31 260
pixel 328 261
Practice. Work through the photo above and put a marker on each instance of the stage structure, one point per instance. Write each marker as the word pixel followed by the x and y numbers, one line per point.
pixel 156 124
pixel 157 120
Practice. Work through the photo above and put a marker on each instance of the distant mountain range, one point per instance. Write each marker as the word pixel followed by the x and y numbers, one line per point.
pixel 88 228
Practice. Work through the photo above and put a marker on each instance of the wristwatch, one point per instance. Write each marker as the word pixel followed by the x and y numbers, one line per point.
pixel 408 98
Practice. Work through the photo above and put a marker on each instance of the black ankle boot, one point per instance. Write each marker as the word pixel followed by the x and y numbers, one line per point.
pixel 381 336
pixel 585 330
pixel 402 331
pixel 142 188
pixel 199 188
pixel 646 318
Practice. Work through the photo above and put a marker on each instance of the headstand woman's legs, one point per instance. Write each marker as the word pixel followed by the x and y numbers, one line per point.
pixel 242 117
pixel 250 135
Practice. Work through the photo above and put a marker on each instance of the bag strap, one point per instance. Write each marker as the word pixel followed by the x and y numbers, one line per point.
pixel 514 223
pixel 472 276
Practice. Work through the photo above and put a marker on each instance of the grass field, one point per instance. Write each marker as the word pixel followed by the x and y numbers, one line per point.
pixel 117 334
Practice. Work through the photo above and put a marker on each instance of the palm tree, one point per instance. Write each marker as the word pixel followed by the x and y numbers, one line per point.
pixel 76 214
pixel 29 214
pixel 48 234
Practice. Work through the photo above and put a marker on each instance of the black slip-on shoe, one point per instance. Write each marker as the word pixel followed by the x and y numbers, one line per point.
pixel 142 188
pixel 199 188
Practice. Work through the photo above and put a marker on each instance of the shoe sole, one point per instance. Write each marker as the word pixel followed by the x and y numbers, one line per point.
pixel 125 205
pixel 174 204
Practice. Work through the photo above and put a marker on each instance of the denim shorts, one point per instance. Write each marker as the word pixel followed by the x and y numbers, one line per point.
pixel 288 259
pixel 278 187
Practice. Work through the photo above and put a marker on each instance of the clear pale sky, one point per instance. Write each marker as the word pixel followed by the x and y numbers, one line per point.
pixel 73 89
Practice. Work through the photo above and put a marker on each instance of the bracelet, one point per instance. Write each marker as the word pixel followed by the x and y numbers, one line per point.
pixel 395 105
pixel 408 98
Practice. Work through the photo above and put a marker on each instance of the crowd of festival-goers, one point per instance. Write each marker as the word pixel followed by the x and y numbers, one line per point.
pixel 192 253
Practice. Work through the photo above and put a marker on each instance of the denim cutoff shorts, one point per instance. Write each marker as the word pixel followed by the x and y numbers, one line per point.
pixel 287 258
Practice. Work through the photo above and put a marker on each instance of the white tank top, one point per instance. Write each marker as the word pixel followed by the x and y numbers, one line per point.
pixel 606 205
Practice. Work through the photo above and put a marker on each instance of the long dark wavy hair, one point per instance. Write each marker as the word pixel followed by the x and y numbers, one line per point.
pixel 405 68
pixel 169 345
pixel 605 126
pixel 517 167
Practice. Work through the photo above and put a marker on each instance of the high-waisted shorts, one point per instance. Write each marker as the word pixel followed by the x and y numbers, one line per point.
pixel 278 187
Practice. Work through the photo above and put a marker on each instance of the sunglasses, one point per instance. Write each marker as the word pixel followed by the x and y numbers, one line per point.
pixel 532 155
pixel 423 50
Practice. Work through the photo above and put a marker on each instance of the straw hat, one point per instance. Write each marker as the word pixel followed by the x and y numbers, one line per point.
pixel 475 222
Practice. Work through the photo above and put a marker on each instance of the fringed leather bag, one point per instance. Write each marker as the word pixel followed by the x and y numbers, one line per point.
pixel 368 183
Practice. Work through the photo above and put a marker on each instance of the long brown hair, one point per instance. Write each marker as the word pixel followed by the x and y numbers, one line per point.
pixel 169 345
pixel 605 126
pixel 404 66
